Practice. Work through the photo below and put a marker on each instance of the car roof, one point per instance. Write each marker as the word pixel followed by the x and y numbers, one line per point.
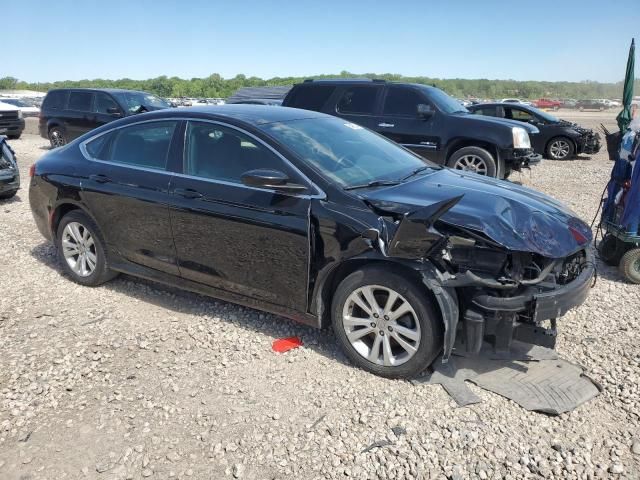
pixel 246 113
pixel 107 90
pixel 359 81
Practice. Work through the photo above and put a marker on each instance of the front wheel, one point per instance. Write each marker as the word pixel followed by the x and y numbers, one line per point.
pixel 7 195
pixel 81 250
pixel 630 265
pixel 385 323
pixel 560 148
pixel 474 159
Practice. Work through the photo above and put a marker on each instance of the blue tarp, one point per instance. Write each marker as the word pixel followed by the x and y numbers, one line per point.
pixel 623 171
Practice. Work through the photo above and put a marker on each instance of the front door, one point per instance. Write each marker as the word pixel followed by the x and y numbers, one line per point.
pixel 127 192
pixel 247 241
pixel 401 123
pixel 105 109
pixel 78 114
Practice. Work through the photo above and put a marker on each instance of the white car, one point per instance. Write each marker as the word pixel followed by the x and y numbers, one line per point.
pixel 27 109
pixel 515 100
pixel 611 103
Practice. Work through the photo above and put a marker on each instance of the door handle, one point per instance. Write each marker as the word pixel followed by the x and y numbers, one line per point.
pixel 187 193
pixel 99 178
pixel 386 125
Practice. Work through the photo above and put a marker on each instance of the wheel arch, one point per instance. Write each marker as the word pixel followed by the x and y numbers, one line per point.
pixel 62 209
pixel 459 143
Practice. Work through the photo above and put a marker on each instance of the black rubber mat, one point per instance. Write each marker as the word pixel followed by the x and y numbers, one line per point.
pixel 532 376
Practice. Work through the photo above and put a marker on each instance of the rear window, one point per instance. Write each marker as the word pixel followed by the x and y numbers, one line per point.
pixel 311 97
pixel 359 100
pixel 80 101
pixel 55 100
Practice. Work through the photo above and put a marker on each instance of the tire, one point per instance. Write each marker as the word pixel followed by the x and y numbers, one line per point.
pixel 630 265
pixel 7 195
pixel 610 250
pixel 560 148
pixel 57 137
pixel 86 236
pixel 14 137
pixel 421 325
pixel 474 159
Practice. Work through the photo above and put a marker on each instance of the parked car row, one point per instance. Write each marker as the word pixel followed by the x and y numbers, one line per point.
pixel 11 120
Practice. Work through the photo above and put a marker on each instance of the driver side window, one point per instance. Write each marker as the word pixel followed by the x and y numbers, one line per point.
pixel 402 102
pixel 520 115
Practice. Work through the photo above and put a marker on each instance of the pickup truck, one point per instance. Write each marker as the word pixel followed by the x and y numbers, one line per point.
pixel 547 103
pixel 424 120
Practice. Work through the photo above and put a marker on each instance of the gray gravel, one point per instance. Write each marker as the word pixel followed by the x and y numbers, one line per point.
pixel 134 380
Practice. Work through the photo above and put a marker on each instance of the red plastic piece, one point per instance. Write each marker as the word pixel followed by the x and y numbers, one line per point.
pixel 285 344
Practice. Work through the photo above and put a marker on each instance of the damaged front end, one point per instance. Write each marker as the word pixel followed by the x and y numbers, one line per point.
pixel 487 291
pixel 588 142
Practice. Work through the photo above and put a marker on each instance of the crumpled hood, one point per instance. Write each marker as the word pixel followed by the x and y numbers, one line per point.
pixel 516 217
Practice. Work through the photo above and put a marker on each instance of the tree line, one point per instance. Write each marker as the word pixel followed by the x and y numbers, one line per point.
pixel 214 86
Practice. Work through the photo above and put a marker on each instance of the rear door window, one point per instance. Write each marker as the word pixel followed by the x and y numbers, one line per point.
pixel 358 100
pixel 311 97
pixel 489 111
pixel 143 145
pixel 517 114
pixel 80 101
pixel 401 101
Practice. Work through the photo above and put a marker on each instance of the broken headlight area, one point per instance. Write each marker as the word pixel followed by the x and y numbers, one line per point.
pixel 505 295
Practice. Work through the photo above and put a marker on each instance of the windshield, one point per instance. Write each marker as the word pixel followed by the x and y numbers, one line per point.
pixel 15 102
pixel 546 116
pixel 444 102
pixel 345 152
pixel 132 101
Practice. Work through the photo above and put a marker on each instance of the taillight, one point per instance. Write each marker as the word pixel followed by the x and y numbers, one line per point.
pixel 32 170
pixel 580 238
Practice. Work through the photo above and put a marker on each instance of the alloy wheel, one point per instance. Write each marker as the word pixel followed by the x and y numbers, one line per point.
pixel 79 250
pixel 381 325
pixel 471 163
pixel 56 138
pixel 560 149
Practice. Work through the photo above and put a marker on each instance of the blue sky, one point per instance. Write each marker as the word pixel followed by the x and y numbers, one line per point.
pixel 535 40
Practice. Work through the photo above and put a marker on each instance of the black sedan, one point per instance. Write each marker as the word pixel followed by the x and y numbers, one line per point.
pixel 557 140
pixel 319 220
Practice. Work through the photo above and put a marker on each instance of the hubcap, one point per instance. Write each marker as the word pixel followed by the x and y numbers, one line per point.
pixel 79 249
pixel 471 163
pixel 559 149
pixel 381 325
pixel 57 140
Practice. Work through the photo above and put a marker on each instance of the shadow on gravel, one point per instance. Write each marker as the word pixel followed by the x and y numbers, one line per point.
pixel 185 302
pixel 8 201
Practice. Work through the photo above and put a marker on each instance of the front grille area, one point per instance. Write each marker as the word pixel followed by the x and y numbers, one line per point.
pixel 572 267
pixel 8 115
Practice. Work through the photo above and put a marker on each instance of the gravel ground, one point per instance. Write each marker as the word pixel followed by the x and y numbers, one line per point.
pixel 135 380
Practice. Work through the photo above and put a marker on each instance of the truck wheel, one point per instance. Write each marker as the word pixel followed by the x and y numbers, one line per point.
pixel 559 148
pixel 474 159
pixel 630 265
pixel 385 323
pixel 15 137
pixel 56 137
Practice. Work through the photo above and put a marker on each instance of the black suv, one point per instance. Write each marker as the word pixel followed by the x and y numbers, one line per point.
pixel 557 140
pixel 67 113
pixel 425 120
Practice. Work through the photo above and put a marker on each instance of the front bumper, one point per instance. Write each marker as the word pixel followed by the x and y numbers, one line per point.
pixel 11 127
pixel 588 143
pixel 9 180
pixel 519 158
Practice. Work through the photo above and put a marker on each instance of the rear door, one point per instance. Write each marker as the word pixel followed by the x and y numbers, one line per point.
pixel 127 191
pixel 247 241
pixel 78 113
pixel 400 121
pixel 359 104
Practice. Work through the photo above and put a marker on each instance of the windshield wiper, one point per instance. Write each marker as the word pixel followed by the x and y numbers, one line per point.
pixel 415 172
pixel 375 183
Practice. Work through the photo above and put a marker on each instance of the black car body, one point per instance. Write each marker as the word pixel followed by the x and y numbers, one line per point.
pixel 557 139
pixel 264 207
pixel 423 119
pixel 9 173
pixel 67 113
pixel 591 104
pixel 11 121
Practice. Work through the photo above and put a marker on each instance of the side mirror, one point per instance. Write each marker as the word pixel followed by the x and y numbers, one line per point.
pixel 114 111
pixel 425 111
pixel 264 178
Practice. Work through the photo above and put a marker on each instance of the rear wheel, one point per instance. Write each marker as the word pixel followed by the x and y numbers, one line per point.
pixel 81 250
pixel 6 195
pixel 474 159
pixel 15 137
pixel 560 148
pixel 57 137
pixel 630 265
pixel 385 323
